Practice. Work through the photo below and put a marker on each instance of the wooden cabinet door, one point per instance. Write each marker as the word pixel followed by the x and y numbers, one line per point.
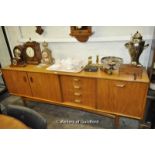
pixel 103 96
pixel 121 97
pixel 45 86
pixel 128 97
pixel 81 91
pixel 17 82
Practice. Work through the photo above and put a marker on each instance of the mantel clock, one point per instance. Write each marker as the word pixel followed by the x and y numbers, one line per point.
pixel 32 52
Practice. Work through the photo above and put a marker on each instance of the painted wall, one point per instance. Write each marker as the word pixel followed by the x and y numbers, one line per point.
pixel 4 53
pixel 152 51
pixel 106 41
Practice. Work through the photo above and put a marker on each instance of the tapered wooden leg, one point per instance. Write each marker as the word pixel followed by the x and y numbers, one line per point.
pixel 144 125
pixel 116 122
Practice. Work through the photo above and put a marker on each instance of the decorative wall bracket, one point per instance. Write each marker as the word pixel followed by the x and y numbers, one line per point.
pixel 39 30
pixel 81 33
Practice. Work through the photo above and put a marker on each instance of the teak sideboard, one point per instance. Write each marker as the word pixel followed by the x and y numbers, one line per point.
pixel 98 92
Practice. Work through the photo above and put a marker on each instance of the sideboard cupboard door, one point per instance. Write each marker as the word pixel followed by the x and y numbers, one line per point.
pixel 122 97
pixel 128 97
pixel 17 82
pixel 45 86
pixel 103 96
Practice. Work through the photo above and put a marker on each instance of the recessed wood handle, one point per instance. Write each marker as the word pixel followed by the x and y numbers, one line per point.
pixel 77 94
pixel 77 101
pixel 24 78
pixel 120 85
pixel 76 79
pixel 31 79
pixel 76 87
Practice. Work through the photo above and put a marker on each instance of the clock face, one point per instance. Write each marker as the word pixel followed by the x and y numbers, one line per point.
pixel 30 52
pixel 44 54
pixel 17 51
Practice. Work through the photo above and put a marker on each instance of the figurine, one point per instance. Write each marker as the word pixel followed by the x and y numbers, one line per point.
pixel 90 67
pixel 97 59
pixel 89 60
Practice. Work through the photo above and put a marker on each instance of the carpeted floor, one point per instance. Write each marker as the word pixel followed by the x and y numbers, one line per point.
pixel 59 117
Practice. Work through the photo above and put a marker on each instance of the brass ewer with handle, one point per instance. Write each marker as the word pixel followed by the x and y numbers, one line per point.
pixel 136 47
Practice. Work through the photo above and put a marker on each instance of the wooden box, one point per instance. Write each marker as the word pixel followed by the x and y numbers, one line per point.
pixel 128 69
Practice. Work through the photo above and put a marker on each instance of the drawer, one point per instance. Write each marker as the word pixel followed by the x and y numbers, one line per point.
pixel 72 83
pixel 79 90
pixel 86 99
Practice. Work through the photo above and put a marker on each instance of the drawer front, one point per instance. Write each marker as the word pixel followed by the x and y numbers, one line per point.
pixel 86 99
pixel 68 96
pixel 79 90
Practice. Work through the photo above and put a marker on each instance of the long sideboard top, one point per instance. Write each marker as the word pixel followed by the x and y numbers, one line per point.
pixel 99 74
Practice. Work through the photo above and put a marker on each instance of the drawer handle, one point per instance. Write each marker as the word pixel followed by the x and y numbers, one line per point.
pixel 77 101
pixel 31 79
pixel 76 80
pixel 120 85
pixel 76 87
pixel 77 94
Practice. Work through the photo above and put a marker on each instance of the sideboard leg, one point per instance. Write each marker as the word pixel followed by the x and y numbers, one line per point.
pixel 143 124
pixel 116 122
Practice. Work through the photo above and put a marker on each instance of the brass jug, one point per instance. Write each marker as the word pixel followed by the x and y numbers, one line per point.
pixel 136 47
